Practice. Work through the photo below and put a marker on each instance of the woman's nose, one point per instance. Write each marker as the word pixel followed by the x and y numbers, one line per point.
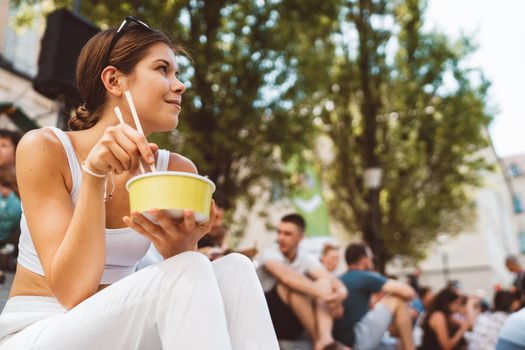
pixel 178 86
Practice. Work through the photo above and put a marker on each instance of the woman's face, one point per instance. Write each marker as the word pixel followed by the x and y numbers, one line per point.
pixel 455 306
pixel 156 89
pixel 330 260
pixel 427 299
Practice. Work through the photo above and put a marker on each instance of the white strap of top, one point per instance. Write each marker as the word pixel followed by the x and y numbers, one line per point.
pixel 163 159
pixel 74 166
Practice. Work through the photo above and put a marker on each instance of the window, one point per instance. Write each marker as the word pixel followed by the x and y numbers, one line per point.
pixel 516 200
pixel 521 239
pixel 514 170
pixel 21 46
pixel 277 191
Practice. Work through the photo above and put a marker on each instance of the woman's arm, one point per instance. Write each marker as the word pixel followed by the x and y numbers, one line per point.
pixel 72 252
pixel 180 163
pixel 69 239
pixel 438 323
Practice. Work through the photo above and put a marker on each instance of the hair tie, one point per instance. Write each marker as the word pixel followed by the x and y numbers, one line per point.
pixel 102 176
pixel 84 107
pixel 91 172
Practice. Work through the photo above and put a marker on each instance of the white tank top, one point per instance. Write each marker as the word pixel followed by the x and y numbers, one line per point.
pixel 124 246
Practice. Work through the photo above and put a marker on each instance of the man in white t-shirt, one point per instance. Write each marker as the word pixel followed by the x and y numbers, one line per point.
pixel 301 294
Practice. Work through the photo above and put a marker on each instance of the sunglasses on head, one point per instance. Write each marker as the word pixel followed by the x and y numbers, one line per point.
pixel 127 21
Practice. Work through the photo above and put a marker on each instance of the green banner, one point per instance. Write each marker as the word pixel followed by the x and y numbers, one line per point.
pixel 308 201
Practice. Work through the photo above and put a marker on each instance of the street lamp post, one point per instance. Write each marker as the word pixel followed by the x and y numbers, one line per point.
pixel 442 241
pixel 372 182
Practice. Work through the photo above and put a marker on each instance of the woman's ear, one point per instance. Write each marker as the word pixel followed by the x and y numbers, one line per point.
pixel 112 80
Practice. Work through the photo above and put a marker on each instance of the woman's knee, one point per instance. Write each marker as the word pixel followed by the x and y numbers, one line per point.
pixel 187 261
pixel 233 261
pixel 234 269
pixel 235 258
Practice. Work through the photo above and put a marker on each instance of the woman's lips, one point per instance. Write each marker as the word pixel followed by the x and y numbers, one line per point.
pixel 174 102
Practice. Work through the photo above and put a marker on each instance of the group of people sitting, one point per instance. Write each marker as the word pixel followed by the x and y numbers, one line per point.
pixel 303 295
pixel 364 310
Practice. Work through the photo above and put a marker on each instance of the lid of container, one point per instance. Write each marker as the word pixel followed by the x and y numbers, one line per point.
pixel 176 173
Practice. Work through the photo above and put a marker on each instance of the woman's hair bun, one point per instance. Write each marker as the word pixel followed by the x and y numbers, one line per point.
pixel 82 118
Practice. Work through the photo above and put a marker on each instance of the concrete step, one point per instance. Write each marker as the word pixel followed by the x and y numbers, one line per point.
pixel 302 343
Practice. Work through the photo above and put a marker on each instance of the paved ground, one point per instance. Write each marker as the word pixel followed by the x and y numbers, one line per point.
pixel 4 289
pixel 303 344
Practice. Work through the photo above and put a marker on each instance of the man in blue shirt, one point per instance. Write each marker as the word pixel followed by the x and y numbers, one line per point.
pixel 362 325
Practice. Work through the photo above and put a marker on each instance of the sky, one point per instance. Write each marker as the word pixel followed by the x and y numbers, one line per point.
pixel 498 27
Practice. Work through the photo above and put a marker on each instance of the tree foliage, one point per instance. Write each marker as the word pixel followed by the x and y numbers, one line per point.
pixel 400 98
pixel 268 75
pixel 238 122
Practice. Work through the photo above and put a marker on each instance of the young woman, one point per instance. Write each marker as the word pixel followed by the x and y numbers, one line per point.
pixel 440 330
pixel 75 285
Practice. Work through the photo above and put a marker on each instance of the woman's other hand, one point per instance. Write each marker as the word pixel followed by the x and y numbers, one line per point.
pixel 171 236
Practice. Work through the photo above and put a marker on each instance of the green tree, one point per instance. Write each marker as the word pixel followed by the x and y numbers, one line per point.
pixel 238 122
pixel 396 97
pixel 385 92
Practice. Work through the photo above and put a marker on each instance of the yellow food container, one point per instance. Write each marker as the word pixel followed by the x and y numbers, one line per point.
pixel 171 191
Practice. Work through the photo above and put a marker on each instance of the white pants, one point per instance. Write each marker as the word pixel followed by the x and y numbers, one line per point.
pixel 182 303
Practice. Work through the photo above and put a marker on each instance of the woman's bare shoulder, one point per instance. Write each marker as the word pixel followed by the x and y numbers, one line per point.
pixel 39 147
pixel 39 140
pixel 437 318
pixel 180 163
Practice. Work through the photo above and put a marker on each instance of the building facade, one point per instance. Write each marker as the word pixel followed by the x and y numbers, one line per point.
pixel 476 256
pixel 19 49
pixel 515 168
